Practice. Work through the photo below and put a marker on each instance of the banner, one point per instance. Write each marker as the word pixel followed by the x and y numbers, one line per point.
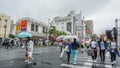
pixel 18 28
pixel 23 25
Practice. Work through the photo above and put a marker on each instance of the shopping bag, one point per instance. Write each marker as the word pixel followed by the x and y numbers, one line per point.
pixel 66 49
pixel 107 54
pixel 90 52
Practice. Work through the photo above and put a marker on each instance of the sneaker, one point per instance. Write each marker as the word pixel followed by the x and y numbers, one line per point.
pixel 94 60
pixel 26 61
pixel 29 62
pixel 74 63
pixel 114 62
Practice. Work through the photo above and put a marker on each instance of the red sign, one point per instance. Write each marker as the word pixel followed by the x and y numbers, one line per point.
pixel 23 25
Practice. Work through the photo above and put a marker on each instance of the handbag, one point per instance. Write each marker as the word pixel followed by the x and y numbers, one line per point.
pixel 90 52
pixel 107 54
pixel 66 48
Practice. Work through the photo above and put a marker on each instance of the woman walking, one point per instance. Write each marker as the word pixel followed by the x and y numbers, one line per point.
pixel 75 47
pixel 93 45
pixel 68 50
pixel 113 51
pixel 102 48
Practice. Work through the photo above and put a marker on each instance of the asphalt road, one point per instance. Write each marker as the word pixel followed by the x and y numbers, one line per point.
pixel 48 57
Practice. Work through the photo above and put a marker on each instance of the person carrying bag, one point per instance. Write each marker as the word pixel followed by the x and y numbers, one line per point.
pixel 92 51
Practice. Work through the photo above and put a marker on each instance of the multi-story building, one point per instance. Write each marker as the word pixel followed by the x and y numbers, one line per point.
pixel 5 25
pixel 13 28
pixel 74 24
pixel 88 28
pixel 66 23
pixel 36 28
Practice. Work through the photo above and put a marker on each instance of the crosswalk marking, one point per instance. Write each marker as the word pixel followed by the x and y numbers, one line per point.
pixel 71 66
pixel 87 62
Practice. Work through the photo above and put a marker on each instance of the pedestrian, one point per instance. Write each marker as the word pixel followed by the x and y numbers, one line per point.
pixel 61 45
pixel 30 50
pixel 26 52
pixel 93 46
pixel 75 47
pixel 102 48
pixel 113 51
pixel 68 48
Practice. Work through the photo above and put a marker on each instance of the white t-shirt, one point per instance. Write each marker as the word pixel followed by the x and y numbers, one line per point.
pixel 30 46
pixel 93 44
pixel 102 45
pixel 113 45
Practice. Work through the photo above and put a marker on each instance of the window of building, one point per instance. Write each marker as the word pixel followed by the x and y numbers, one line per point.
pixel 43 29
pixel 36 28
pixel 32 27
pixel 69 26
pixel 5 23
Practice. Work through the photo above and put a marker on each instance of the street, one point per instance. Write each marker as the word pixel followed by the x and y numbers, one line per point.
pixel 48 57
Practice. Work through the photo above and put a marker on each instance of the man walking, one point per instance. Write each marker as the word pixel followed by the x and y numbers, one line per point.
pixel 30 50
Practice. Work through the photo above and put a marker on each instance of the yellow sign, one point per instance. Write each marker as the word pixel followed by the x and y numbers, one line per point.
pixel 18 28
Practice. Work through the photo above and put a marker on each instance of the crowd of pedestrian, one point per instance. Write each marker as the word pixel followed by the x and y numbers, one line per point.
pixel 99 48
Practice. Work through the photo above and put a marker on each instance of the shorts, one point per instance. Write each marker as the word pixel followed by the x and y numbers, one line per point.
pixel 29 54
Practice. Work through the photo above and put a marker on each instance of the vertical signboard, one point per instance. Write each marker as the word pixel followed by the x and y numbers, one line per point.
pixel 18 26
pixel 23 25
pixel 118 32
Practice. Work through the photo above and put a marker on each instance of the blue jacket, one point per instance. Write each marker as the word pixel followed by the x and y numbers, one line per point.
pixel 105 44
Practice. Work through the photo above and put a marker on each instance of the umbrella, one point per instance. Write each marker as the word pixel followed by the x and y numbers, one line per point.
pixel 71 37
pixel 24 35
pixel 60 38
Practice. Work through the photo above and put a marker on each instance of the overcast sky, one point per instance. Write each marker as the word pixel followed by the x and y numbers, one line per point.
pixel 102 12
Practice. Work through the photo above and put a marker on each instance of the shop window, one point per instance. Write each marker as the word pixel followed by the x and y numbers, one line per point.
pixel 36 28
pixel 32 27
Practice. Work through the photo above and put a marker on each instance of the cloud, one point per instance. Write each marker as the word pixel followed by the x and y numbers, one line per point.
pixel 101 11
pixel 104 19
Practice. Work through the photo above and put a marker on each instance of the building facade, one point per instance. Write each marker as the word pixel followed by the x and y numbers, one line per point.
pixel 5 26
pixel 66 23
pixel 88 28
pixel 36 28
pixel 13 28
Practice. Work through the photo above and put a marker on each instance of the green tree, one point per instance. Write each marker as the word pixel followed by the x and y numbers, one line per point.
pixel 56 32
pixel 11 36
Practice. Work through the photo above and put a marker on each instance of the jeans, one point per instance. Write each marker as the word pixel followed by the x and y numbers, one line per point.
pixel 61 48
pixel 113 56
pixel 102 55
pixel 68 58
pixel 75 55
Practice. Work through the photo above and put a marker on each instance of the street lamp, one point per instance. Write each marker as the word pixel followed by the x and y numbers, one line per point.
pixel 48 30
pixel 83 29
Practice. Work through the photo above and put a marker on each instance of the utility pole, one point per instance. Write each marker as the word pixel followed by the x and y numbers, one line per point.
pixel 48 29
pixel 5 26
pixel 117 25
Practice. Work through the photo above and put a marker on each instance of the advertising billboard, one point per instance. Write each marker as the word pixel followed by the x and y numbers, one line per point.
pixel 24 25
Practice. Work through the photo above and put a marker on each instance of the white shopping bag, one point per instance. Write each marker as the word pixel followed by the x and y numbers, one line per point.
pixel 23 46
pixel 107 54
pixel 62 53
